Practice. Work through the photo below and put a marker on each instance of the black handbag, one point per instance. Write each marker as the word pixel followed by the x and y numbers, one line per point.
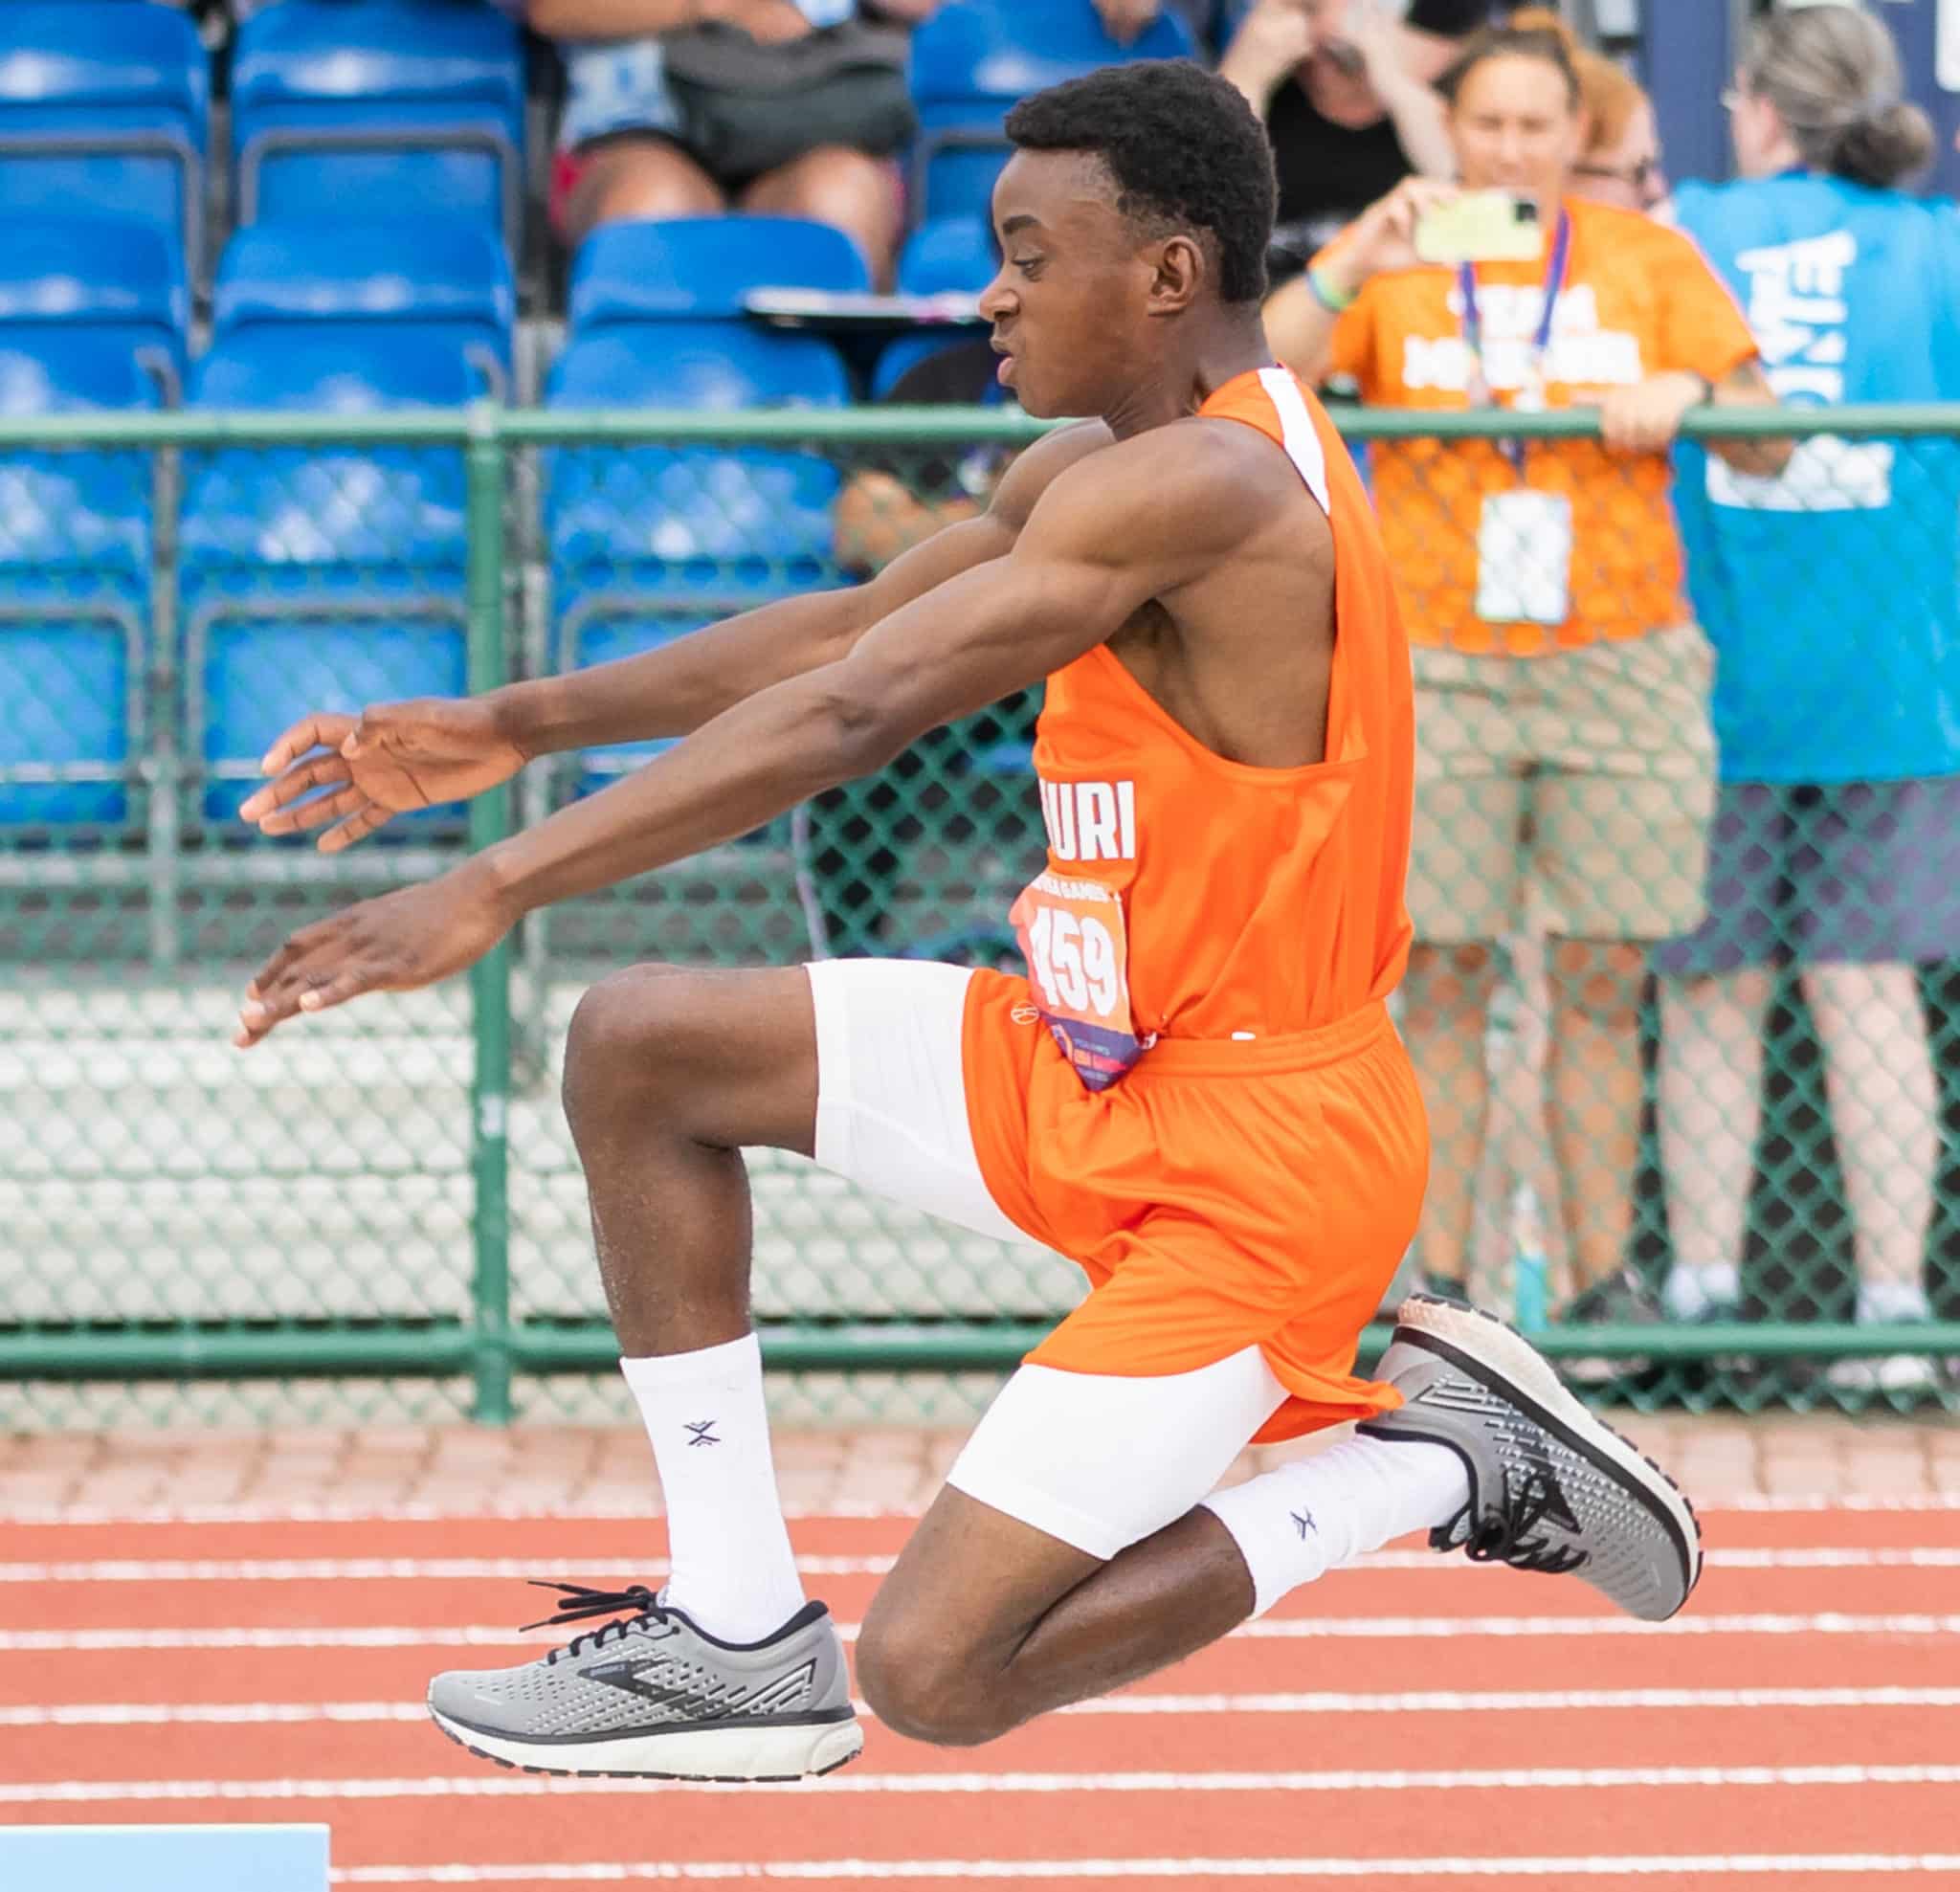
pixel 747 107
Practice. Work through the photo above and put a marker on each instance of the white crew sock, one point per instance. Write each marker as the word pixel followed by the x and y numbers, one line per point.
pixel 1883 1303
pixel 732 1569
pixel 1693 1287
pixel 1312 1515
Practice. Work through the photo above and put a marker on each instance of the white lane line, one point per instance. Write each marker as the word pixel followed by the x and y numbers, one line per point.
pixel 1354 1780
pixel 69 1642
pixel 1509 1701
pixel 1422 1701
pixel 395 1570
pixel 207 1714
pixel 843 1511
pixel 388 1570
pixel 1605 1865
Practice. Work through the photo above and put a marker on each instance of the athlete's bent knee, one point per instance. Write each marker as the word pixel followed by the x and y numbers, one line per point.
pixel 919 1689
pixel 623 1044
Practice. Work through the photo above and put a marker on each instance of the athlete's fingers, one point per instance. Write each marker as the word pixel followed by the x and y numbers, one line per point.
pixel 335 988
pixel 320 771
pixel 296 948
pixel 328 731
pixel 271 1001
pixel 361 822
pixel 314 813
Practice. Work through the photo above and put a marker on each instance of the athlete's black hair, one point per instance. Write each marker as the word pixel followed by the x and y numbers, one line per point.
pixel 1184 149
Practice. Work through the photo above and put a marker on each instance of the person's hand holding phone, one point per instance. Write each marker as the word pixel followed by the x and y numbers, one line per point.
pixel 1383 237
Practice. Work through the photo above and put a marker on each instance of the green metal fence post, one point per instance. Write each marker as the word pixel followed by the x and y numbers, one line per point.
pixel 490 978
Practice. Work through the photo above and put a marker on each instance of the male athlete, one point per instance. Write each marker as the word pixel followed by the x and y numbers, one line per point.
pixel 1196 1094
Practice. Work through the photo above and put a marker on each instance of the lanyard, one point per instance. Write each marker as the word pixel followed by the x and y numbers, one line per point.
pixel 1531 396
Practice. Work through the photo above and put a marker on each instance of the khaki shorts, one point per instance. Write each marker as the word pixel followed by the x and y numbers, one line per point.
pixel 1569 793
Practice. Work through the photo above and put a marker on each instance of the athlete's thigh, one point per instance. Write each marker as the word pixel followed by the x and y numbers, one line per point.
pixel 1065 1469
pixel 894 1090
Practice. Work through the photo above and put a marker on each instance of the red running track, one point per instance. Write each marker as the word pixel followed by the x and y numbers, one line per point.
pixel 1411 1721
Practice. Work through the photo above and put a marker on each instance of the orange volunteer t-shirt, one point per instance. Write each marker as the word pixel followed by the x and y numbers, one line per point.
pixel 1638 300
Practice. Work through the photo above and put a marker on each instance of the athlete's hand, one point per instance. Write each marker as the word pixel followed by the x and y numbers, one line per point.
pixel 1645 418
pixel 386 761
pixel 395 944
pixel 1383 236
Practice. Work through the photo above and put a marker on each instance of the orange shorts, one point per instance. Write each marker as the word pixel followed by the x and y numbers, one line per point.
pixel 1224 1194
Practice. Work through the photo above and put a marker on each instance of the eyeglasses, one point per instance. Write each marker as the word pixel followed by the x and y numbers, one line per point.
pixel 1641 173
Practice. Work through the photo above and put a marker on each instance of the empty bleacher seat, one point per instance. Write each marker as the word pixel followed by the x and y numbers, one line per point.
pixel 103 111
pixel 370 109
pixel 113 281
pixel 948 254
pixel 75 592
pixel 316 577
pixel 701 269
pixel 974 58
pixel 434 276
pixel 646 542
pixel 944 254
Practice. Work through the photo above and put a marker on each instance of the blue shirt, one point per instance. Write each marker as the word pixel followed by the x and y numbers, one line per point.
pixel 1832 592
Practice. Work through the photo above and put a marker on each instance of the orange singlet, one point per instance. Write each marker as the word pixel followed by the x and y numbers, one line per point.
pixel 1197 1094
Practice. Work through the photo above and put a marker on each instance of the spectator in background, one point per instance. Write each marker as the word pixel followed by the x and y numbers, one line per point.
pixel 1621 162
pixel 631 144
pixel 1831 595
pixel 1565 765
pixel 1124 20
pixel 851 841
pixel 1346 94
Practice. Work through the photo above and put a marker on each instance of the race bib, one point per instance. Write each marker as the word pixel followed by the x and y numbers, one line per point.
pixel 1072 936
pixel 1525 558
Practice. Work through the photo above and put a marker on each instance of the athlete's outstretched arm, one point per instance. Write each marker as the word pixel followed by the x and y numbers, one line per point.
pixel 359 772
pixel 1135 523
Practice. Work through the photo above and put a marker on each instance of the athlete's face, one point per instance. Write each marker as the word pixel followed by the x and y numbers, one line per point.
pixel 1073 305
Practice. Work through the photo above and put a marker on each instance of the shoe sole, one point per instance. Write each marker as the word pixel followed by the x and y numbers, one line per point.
pixel 1494 1353
pixel 699 1751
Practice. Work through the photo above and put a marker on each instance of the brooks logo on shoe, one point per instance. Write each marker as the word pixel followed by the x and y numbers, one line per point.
pixel 704 1431
pixel 707 1704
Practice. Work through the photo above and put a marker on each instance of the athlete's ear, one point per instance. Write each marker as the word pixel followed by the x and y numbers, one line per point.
pixel 1179 274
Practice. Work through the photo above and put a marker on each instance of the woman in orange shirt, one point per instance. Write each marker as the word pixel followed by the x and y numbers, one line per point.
pixel 1566 768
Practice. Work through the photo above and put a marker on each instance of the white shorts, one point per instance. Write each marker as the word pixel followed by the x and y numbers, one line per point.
pixel 891 1116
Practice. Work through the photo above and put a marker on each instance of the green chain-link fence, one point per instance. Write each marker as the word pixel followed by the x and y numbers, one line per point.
pixel 381 1212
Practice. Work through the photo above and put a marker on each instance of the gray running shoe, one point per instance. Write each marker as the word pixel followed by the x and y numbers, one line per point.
pixel 1552 1489
pixel 651 1693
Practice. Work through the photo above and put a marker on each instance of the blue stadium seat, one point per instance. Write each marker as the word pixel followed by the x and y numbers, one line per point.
pixel 435 276
pixel 318 577
pixel 356 111
pixel 974 58
pixel 647 543
pixel 700 269
pixel 948 254
pixel 944 254
pixel 117 280
pixel 103 111
pixel 75 577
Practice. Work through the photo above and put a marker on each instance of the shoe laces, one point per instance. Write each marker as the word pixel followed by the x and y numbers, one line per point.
pixel 629 1608
pixel 1509 1533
